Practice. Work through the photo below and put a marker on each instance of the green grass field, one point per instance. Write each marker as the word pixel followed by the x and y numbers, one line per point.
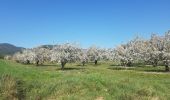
pixel 102 82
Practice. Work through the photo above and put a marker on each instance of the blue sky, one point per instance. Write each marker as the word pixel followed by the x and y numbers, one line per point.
pixel 105 23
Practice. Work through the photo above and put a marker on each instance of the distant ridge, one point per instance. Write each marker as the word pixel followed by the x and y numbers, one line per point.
pixel 46 46
pixel 8 49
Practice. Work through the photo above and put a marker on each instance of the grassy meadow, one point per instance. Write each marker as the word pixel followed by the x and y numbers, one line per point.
pixel 105 81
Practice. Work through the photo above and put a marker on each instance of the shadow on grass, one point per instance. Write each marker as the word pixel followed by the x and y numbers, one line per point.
pixel 49 65
pixel 93 64
pixel 67 69
pixel 121 68
pixel 81 65
pixel 155 71
pixel 136 69
pixel 129 67
pixel 115 65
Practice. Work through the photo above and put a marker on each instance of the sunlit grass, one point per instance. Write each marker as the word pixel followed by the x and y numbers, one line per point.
pixel 104 81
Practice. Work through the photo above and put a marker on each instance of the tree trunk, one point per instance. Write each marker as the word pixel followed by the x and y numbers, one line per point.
pixel 95 62
pixel 37 62
pixel 166 63
pixel 166 68
pixel 83 63
pixel 28 62
pixel 155 63
pixel 63 63
pixel 129 64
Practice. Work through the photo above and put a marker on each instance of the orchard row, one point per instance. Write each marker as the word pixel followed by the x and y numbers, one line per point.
pixel 155 51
